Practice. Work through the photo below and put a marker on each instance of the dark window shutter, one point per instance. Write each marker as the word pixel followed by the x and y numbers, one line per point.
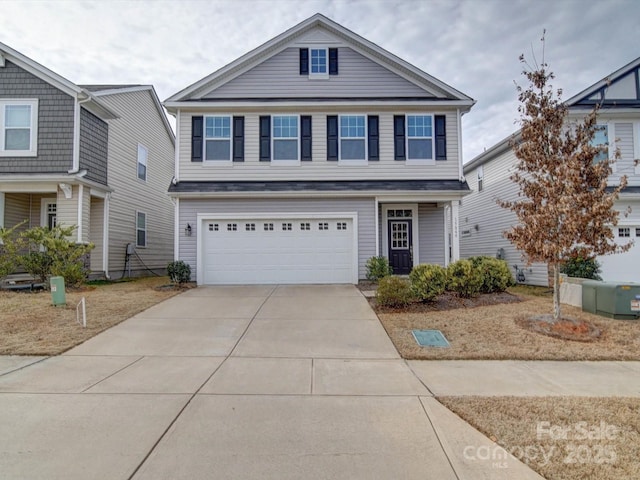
pixel 374 137
pixel 305 136
pixel 265 139
pixel 238 139
pixel 398 137
pixel 333 61
pixel 196 138
pixel 304 61
pixel 441 137
pixel 332 138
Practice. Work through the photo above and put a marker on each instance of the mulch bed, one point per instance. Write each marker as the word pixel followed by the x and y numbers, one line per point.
pixel 563 328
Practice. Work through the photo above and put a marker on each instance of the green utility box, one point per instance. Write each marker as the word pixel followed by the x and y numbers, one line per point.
pixel 612 299
pixel 57 291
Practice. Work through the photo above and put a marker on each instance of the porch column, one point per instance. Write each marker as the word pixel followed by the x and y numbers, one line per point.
pixel 1 209
pixel 455 237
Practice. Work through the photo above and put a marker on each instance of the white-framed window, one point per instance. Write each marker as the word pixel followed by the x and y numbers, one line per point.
pixel 624 232
pixel 285 138
pixel 420 138
pixel 480 177
pixel 141 229
pixel 353 136
pixel 18 128
pixel 601 137
pixel 217 138
pixel 143 154
pixel 318 62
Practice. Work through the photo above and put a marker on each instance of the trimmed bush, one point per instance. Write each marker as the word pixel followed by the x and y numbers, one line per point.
pixel 179 272
pixel 495 273
pixel 394 292
pixel 428 281
pixel 464 279
pixel 377 268
pixel 581 265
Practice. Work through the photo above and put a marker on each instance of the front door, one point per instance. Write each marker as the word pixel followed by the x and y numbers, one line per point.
pixel 400 246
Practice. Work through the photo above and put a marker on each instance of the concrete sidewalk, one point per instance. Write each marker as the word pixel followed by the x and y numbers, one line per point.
pixel 236 382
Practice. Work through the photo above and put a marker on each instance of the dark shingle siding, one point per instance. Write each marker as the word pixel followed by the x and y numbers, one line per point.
pixel 93 146
pixel 55 123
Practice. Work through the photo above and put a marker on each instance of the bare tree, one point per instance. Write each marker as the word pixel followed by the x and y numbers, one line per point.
pixel 563 200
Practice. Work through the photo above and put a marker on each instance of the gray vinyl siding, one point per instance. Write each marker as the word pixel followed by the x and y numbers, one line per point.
pixel 279 76
pixel 319 168
pixel 480 209
pixel 431 234
pixel 365 208
pixel 93 146
pixel 139 122
pixel 55 122
pixel 16 209
pixel 623 136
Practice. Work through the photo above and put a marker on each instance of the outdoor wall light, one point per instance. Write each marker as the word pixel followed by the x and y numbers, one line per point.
pixel 187 230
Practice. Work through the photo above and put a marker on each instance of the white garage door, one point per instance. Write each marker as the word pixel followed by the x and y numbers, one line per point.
pixel 278 250
pixel 623 267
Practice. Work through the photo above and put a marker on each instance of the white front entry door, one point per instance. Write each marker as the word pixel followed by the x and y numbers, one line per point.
pixel 278 250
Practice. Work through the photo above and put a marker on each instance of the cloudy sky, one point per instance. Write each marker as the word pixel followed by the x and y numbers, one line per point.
pixel 473 45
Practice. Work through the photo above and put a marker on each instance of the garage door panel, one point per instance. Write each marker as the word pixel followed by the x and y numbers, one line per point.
pixel 623 267
pixel 278 250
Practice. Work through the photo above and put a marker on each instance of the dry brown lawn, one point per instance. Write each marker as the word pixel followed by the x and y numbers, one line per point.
pixel 583 437
pixel 492 333
pixel 31 325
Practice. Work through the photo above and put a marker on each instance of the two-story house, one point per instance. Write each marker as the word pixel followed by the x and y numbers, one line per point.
pixel 98 158
pixel 305 157
pixel 483 222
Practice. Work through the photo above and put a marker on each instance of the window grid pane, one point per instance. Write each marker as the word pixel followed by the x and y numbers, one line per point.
pixel 285 127
pixel 318 61
pixel 218 127
pixel 419 126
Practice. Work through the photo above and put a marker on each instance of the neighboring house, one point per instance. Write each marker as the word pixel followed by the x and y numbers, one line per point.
pixel 482 221
pixel 305 157
pixel 97 158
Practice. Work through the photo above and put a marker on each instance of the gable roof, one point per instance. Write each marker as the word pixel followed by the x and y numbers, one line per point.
pixel 584 99
pixel 601 89
pixel 358 43
pixel 89 101
pixel 105 90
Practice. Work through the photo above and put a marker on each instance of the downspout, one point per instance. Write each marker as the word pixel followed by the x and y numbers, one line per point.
pixel 76 135
pixel 80 201
pixel 105 237
pixel 460 166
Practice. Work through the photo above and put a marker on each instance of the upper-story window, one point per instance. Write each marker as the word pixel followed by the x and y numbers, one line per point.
pixel 143 153
pixel 18 128
pixel 217 138
pixel 601 138
pixel 285 138
pixel 480 177
pixel 352 137
pixel 419 137
pixel 318 60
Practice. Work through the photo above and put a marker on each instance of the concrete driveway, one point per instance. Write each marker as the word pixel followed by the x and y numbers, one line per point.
pixel 264 382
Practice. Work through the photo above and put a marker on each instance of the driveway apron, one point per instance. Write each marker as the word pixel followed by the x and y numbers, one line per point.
pixel 236 382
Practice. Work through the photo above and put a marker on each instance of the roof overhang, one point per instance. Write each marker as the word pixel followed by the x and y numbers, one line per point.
pixel 24 183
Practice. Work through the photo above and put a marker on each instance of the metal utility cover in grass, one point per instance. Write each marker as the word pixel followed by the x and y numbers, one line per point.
pixel 430 338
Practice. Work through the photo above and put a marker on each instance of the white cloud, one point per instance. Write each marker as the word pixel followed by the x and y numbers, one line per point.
pixel 471 45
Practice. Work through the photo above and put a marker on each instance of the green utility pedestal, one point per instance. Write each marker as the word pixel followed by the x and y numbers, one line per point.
pixel 57 291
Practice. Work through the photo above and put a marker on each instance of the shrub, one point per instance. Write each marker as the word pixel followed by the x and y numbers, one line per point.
pixel 464 279
pixel 581 265
pixel 428 281
pixel 394 292
pixel 50 252
pixel 179 272
pixel 495 274
pixel 377 268
pixel 10 245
